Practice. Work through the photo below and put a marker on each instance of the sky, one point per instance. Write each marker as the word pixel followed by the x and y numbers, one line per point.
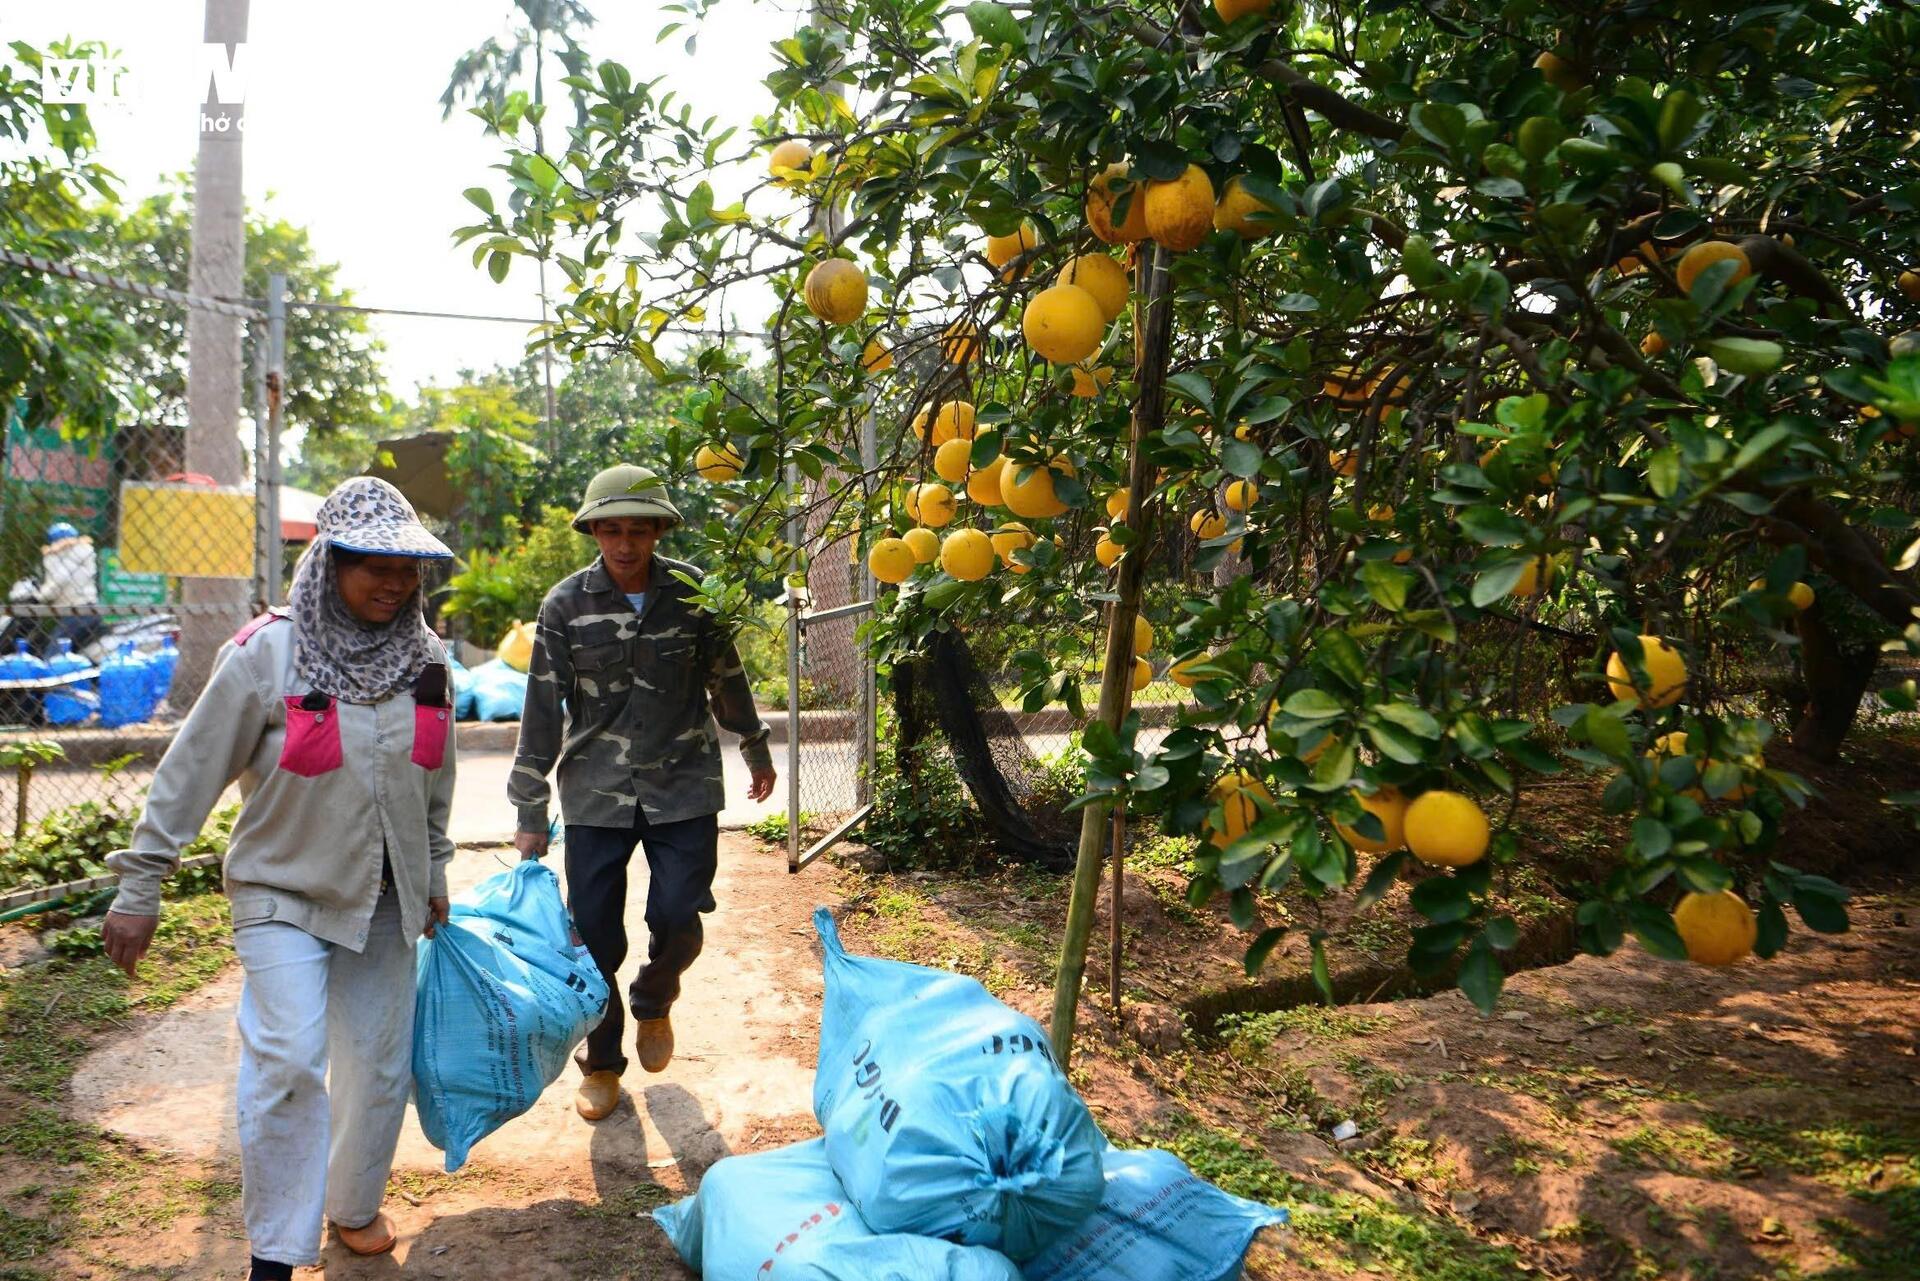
pixel 344 134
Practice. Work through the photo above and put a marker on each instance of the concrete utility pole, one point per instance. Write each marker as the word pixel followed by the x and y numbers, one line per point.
pixel 217 607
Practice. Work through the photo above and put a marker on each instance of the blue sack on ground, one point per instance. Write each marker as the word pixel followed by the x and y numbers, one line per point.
pixel 1158 1221
pixel 781 1216
pixel 505 994
pixel 945 1114
pixel 499 692
pixel 462 689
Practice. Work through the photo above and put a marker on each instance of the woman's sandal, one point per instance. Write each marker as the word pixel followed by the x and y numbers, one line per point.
pixel 374 1237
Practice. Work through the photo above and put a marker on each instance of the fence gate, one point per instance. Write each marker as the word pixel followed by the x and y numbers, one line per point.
pixel 830 727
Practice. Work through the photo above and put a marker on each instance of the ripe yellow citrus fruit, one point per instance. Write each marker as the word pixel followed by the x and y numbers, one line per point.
pixel 1142 635
pixel 1390 807
pixel 1240 495
pixel 1446 829
pixel 1675 744
pixel 1240 797
pixel 924 542
pixel 960 343
pixel 983 486
pixel 1107 552
pixel 1910 284
pixel 1800 596
pixel 1117 505
pixel 920 421
pixel 836 291
pixel 1207 524
pixel 953 460
pixel 1666 675
pixel 1102 277
pixel 790 155
pixel 1088 383
pixel 1558 72
pixel 1718 929
pixel 1181 673
pixel 1231 11
pixel 1653 344
pixel 1002 250
pixel 1142 674
pixel 1010 538
pixel 1346 384
pixel 955 421
pixel 1236 211
pixel 932 505
pixel 967 554
pixel 1028 490
pixel 718 463
pixel 876 359
pixel 1704 255
pixel 1063 324
pixel 1345 462
pixel 1537 575
pixel 891 560
pixel 1103 193
pixel 1180 213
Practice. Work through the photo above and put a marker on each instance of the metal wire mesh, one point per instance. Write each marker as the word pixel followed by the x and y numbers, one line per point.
pixel 830 757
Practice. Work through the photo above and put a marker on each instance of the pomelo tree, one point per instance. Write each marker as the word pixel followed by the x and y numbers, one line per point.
pixel 1473 340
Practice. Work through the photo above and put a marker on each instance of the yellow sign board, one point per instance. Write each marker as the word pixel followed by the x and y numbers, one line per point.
pixel 190 531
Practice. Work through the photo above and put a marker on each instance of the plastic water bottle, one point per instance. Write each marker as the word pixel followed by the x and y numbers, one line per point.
pixel 69 704
pixel 161 666
pixel 123 688
pixel 21 706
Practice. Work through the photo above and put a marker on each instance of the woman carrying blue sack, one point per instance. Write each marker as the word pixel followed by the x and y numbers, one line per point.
pixel 335 718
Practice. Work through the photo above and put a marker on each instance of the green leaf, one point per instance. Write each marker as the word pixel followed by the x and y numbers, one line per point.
pixel 1442 900
pixel 1501 933
pixel 1396 745
pixel 481 197
pixel 1653 837
pixel 1822 914
pixel 1703 875
pixel 1663 472
pixel 1481 978
pixel 1654 928
pixel 1607 732
pixel 1241 458
pixel 1497 582
pixel 1415 720
pixel 1262 947
pixel 1322 979
pixel 1387 583
pixel 1312 705
pixel 1380 880
pixel 1493 527
pixel 498 263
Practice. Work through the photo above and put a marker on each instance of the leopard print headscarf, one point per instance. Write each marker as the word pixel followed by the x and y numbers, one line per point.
pixel 333 651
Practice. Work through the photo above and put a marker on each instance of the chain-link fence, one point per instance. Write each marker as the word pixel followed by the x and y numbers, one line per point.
pixel 830 728
pixel 128 557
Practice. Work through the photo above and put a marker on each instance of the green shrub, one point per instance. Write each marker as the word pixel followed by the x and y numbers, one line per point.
pixel 924 817
pixel 496 589
pixel 72 844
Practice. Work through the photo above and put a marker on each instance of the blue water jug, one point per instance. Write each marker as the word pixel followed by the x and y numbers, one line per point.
pixel 123 688
pixel 20 706
pixel 161 665
pixel 69 704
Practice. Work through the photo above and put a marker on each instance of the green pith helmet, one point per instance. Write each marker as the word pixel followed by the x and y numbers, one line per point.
pixel 625 490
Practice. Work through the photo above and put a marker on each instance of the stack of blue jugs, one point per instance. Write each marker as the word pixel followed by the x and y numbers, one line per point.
pixel 161 666
pixel 124 688
pixel 20 706
pixel 69 704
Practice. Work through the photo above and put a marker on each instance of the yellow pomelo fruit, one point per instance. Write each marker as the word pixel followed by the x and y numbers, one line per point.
pixel 1346 384
pixel 1103 193
pixel 1010 538
pixel 953 460
pixel 1102 277
pixel 1117 505
pixel 1142 635
pixel 1910 284
pixel 1558 72
pixel 1088 383
pixel 1028 491
pixel 1390 807
pixel 1207 524
pixel 792 154
pixel 1800 596
pixel 932 505
pixel 877 358
pixel 954 421
pixel 1345 462
pixel 1142 674
pixel 1107 552
pixel 920 421
pixel 1666 675
pixel 1233 10
pixel 1181 673
pixel 1653 344
pixel 1446 829
pixel 1675 744
pixel 1002 250
pixel 1704 255
pixel 924 542
pixel 892 560
pixel 1180 213
pixel 718 464
pixel 1240 495
pixel 960 343
pixel 1537 575
pixel 967 554
pixel 983 486
pixel 1236 211
pixel 1239 796
pixel 1718 929
pixel 1063 324
pixel 836 291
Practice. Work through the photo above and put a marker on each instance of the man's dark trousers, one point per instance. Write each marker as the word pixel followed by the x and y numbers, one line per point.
pixel 681 859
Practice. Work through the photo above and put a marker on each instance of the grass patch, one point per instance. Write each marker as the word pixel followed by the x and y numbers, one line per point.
pixel 1855 1158
pixel 1317 1022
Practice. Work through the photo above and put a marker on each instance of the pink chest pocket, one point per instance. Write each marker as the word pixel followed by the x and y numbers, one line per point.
pixel 431 725
pixel 312 747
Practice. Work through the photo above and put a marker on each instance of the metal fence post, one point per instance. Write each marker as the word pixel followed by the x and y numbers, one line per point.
pixel 795 533
pixel 869 591
pixel 276 398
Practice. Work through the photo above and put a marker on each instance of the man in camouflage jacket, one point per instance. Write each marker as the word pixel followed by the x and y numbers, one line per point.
pixel 626 681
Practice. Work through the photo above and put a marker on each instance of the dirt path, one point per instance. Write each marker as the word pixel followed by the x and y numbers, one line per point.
pixel 547 1196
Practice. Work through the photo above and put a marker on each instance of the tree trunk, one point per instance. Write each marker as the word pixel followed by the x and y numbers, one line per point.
pixel 1152 326
pixel 216 607
pixel 1836 679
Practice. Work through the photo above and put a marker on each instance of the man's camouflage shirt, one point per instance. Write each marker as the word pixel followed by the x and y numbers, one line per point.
pixel 625 704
